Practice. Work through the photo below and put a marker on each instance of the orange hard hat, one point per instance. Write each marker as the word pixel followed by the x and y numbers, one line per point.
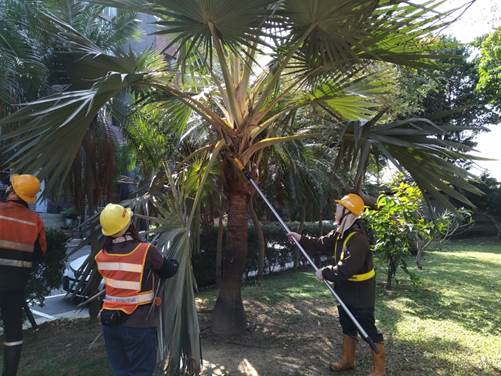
pixel 26 187
pixel 353 202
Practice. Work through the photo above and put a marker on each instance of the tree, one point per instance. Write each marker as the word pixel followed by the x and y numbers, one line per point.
pixel 24 74
pixel 489 205
pixel 38 64
pixel 394 223
pixel 322 57
pixel 489 68
pixel 449 95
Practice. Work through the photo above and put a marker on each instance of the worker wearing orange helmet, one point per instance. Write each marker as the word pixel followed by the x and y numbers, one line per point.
pixel 353 275
pixel 22 236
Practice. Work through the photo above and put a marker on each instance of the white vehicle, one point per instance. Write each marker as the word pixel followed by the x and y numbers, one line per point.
pixel 71 278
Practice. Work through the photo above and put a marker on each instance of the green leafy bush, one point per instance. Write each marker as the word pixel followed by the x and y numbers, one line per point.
pixel 48 270
pixel 396 221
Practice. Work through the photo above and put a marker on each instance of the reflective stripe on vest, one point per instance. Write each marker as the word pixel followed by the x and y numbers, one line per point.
pixel 124 266
pixel 17 220
pixel 125 285
pixel 143 298
pixel 123 275
pixel 355 277
pixel 15 263
pixel 16 246
pixel 19 230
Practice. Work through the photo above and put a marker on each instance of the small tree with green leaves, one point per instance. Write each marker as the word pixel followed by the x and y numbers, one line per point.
pixel 394 223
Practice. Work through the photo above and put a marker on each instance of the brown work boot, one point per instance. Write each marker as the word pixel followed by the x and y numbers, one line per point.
pixel 347 360
pixel 378 361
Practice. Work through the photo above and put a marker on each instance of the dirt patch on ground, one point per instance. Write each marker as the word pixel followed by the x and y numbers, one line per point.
pixel 285 339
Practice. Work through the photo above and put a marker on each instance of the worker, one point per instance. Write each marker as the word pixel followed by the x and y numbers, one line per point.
pixel 131 270
pixel 353 275
pixel 22 238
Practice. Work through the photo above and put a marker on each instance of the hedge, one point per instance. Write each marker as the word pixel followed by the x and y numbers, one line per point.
pixel 278 250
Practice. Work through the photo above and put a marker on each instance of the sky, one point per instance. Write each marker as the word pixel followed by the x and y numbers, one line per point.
pixel 480 19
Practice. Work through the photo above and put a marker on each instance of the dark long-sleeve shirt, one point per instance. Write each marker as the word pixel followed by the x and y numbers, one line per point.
pixel 357 260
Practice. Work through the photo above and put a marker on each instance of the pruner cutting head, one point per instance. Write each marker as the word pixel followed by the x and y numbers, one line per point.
pixel 238 163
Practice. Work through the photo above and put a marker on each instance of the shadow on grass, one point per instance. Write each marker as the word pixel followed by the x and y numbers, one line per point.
pixel 463 290
pixel 301 338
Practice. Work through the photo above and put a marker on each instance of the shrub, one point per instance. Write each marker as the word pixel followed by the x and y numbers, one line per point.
pixel 48 270
pixel 395 222
pixel 278 249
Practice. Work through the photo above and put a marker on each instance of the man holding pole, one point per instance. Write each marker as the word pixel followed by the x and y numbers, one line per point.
pixel 352 273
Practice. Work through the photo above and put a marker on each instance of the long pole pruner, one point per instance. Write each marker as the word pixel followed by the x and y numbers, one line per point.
pixel 361 330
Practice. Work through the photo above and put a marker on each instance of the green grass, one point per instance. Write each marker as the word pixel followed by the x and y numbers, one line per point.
pixel 454 317
pixel 449 325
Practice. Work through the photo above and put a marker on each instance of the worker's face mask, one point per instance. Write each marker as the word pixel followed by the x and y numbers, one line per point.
pixel 341 212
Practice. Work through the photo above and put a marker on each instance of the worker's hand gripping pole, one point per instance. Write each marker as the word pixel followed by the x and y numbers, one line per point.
pixel 363 333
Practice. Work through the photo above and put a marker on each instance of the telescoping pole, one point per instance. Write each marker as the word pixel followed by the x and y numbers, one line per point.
pixel 363 333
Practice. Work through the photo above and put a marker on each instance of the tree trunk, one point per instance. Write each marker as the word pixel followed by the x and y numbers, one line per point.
pixel 261 242
pixel 229 315
pixel 297 254
pixel 388 281
pixel 392 270
pixel 320 222
pixel 219 249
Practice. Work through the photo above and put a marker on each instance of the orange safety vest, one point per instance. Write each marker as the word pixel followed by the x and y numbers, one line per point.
pixel 20 228
pixel 123 275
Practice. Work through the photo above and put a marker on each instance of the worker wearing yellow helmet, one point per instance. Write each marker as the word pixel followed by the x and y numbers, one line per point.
pixel 22 236
pixel 132 270
pixel 353 275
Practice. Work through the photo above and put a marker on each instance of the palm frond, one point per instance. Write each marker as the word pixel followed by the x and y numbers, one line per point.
pixel 344 34
pixel 45 135
pixel 413 146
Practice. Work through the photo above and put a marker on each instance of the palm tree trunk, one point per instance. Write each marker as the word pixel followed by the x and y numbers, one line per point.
pixel 229 315
pixel 219 249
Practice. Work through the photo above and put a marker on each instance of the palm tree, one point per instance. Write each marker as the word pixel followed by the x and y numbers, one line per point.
pixel 243 69
pixel 23 75
pixel 36 65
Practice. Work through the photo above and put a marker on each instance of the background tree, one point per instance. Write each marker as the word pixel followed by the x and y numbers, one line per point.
pixel 489 68
pixel 449 95
pixel 489 205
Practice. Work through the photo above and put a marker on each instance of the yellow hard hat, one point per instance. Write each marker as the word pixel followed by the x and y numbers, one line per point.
pixel 26 187
pixel 353 202
pixel 114 218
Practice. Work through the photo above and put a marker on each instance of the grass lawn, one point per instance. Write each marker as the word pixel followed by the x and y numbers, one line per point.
pixel 450 325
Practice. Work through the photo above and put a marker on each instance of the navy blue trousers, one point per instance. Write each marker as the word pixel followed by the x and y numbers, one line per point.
pixel 365 317
pixel 131 351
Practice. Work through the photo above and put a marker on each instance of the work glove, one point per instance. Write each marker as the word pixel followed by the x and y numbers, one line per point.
pixel 319 275
pixel 294 235
pixel 168 269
